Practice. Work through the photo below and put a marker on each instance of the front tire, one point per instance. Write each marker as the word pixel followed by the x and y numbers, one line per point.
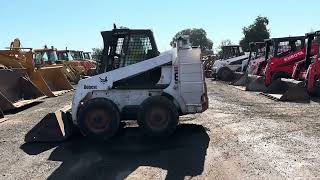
pixel 158 117
pixel 225 74
pixel 99 119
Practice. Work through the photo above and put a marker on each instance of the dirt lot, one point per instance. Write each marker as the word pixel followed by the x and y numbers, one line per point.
pixel 243 135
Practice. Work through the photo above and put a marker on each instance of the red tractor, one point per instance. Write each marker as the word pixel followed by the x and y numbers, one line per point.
pixel 308 70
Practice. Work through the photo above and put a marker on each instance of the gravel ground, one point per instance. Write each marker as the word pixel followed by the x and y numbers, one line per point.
pixel 242 135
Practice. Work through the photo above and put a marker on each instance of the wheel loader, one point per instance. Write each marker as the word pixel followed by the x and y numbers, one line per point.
pixel 48 57
pixel 50 80
pixel 76 59
pixel 135 82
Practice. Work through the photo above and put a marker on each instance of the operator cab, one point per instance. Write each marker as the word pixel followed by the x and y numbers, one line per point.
pixel 65 55
pixel 312 38
pixel 285 46
pixel 45 56
pixel 257 50
pixel 231 51
pixel 123 47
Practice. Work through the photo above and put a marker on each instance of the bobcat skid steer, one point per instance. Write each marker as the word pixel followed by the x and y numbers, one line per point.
pixel 230 62
pixel 135 82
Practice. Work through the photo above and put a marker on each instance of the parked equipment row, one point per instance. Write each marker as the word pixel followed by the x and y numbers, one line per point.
pixel 286 68
pixel 28 75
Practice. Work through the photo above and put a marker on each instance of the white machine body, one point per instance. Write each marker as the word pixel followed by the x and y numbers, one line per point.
pixel 181 72
pixel 233 64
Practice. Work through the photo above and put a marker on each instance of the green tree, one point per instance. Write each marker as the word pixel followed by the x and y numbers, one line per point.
pixel 225 42
pixel 257 31
pixel 198 37
pixel 97 53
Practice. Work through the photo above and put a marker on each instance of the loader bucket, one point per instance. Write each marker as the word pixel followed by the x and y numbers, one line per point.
pixel 16 89
pixel 236 76
pixel 251 83
pixel 51 81
pixel 287 90
pixel 54 127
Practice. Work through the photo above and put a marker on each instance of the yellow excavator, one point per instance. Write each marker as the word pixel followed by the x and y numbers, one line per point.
pixel 50 80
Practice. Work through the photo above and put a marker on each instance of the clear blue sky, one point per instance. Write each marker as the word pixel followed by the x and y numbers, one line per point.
pixel 77 24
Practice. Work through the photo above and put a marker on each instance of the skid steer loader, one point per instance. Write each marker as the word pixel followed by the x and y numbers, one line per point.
pixel 134 82
pixel 253 68
pixel 230 61
pixel 288 52
pixel 281 56
pixel 308 70
pixel 50 80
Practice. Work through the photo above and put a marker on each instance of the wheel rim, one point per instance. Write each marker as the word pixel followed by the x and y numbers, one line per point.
pixel 98 120
pixel 158 118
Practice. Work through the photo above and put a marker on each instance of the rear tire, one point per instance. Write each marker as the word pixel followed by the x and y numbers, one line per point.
pixel 158 117
pixel 99 119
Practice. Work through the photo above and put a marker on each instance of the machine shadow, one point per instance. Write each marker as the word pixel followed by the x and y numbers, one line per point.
pixel 182 154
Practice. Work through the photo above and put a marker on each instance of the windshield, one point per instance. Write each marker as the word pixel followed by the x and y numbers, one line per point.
pixel 286 47
pixel 46 57
pixel 65 56
pixel 86 55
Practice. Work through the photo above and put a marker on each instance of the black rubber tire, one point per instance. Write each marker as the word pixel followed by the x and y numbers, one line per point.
pixel 225 74
pixel 169 123
pixel 88 122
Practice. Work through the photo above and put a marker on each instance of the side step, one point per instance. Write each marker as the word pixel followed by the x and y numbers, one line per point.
pixel 54 127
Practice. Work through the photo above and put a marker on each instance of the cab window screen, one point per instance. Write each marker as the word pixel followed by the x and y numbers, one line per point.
pixel 137 50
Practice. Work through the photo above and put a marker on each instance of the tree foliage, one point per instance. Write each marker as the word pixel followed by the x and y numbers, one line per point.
pixel 97 53
pixel 198 37
pixel 255 32
pixel 224 42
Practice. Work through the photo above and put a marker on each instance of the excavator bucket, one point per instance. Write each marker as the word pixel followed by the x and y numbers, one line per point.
pixel 54 127
pixel 287 90
pixel 16 89
pixel 250 83
pixel 51 81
